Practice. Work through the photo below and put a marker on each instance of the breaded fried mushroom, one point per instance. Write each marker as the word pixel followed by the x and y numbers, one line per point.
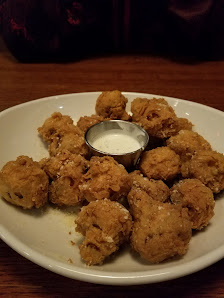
pixel 56 126
pixel 105 178
pixel 160 163
pixel 194 195
pixel 187 142
pixel 61 134
pixel 86 122
pixel 160 230
pixel 183 124
pixel 208 167
pixel 156 189
pixel 112 104
pixel 157 117
pixel 106 225
pixel 74 143
pixel 66 170
pixel 24 183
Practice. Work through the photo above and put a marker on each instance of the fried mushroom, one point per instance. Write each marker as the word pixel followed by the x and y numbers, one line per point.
pixel 112 104
pixel 24 183
pixel 187 142
pixel 66 171
pixel 105 178
pixel 106 225
pixel 160 163
pixel 86 122
pixel 156 189
pixel 71 142
pixel 160 230
pixel 208 167
pixel 197 198
pixel 156 117
pixel 56 126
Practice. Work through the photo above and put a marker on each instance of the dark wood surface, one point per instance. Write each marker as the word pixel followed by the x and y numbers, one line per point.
pixel 201 82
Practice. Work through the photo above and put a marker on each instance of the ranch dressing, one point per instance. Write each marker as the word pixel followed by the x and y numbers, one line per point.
pixel 115 141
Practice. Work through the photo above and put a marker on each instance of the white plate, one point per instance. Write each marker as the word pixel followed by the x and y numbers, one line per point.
pixel 44 236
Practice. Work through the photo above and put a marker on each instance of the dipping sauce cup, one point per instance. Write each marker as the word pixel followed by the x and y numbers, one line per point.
pixel 122 140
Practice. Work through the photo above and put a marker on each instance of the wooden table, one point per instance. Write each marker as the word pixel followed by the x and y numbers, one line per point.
pixel 201 82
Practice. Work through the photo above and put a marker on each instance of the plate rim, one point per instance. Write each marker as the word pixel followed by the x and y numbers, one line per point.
pixel 51 97
pixel 102 277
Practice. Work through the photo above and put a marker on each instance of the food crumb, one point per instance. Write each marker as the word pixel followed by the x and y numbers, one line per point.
pixel 70 261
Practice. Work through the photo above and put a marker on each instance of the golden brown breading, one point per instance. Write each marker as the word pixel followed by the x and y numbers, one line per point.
pixel 208 167
pixel 187 142
pixel 72 142
pixel 160 163
pixel 66 170
pixel 156 189
pixel 183 124
pixel 86 122
pixel 24 183
pixel 105 179
pixel 155 116
pixel 63 192
pixel 58 165
pixel 112 104
pixel 59 131
pixel 105 225
pixel 160 230
pixel 56 126
pixel 194 195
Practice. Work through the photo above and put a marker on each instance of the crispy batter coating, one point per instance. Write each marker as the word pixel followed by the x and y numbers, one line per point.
pixel 24 183
pixel 86 122
pixel 112 104
pixel 183 124
pixel 194 195
pixel 72 142
pixel 59 131
pixel 57 126
pixel 160 163
pixel 208 167
pixel 187 142
pixel 160 230
pixel 66 170
pixel 58 165
pixel 156 189
pixel 105 225
pixel 157 117
pixel 105 179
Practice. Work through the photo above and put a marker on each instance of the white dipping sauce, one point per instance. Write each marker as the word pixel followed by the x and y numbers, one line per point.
pixel 115 141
